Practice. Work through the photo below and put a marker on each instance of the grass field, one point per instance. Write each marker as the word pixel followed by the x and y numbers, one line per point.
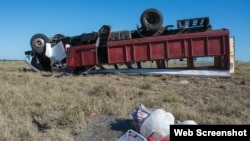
pixel 38 108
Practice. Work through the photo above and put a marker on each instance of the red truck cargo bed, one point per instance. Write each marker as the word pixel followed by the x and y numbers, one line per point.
pixel 179 46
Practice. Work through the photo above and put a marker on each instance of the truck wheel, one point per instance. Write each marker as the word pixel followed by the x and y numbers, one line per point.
pixel 38 43
pixel 59 36
pixel 151 20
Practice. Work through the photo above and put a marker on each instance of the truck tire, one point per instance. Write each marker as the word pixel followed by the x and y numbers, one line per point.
pixel 59 35
pixel 38 43
pixel 56 38
pixel 151 20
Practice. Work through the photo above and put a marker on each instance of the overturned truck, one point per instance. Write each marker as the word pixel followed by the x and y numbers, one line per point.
pixel 106 50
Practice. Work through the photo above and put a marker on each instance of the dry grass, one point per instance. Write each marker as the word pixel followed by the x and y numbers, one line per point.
pixel 34 107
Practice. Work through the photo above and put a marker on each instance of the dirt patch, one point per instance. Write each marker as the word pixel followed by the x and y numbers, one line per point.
pixel 105 128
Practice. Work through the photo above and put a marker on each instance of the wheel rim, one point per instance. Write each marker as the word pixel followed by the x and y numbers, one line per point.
pixel 152 19
pixel 39 42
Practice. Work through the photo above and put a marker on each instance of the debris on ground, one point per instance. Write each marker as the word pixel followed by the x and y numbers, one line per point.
pixel 141 125
pixel 139 114
pixel 152 125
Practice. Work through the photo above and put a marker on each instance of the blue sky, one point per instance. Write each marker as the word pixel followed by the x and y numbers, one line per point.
pixel 21 19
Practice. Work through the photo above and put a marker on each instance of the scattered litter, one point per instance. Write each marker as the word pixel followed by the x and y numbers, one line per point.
pixel 139 114
pixel 152 125
pixel 157 125
pixel 178 82
pixel 186 122
pixel 183 82
pixel 47 74
pixel 59 74
pixel 132 135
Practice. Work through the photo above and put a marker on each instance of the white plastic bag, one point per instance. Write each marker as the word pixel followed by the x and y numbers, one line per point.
pixel 157 124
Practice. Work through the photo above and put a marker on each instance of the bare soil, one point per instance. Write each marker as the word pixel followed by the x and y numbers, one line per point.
pixel 104 128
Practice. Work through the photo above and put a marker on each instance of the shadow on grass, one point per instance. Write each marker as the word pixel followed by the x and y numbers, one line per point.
pixel 122 125
pixel 105 128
